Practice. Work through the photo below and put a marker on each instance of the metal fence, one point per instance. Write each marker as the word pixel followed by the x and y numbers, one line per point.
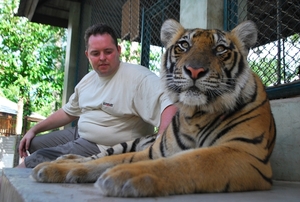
pixel 138 25
pixel 276 57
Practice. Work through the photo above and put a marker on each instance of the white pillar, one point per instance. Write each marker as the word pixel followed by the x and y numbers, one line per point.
pixel 205 14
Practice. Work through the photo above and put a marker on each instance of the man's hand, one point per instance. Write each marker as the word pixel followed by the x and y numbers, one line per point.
pixel 25 143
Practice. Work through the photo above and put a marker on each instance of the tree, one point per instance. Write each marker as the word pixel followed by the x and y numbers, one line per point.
pixel 131 52
pixel 31 60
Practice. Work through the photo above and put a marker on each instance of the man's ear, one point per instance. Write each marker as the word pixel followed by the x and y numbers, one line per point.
pixel 119 49
pixel 86 53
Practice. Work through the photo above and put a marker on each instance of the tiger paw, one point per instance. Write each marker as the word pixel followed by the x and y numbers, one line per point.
pixel 47 172
pixel 59 173
pixel 72 158
pixel 127 182
pixel 69 156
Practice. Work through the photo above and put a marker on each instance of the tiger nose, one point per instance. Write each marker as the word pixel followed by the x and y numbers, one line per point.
pixel 195 73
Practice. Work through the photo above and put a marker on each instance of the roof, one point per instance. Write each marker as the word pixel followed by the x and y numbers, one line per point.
pixel 49 12
pixel 11 107
pixel 35 117
pixel 8 106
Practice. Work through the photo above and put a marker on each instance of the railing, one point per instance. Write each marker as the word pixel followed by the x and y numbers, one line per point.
pixel 7 126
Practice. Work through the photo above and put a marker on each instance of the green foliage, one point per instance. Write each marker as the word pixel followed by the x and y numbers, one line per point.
pixel 154 63
pixel 295 39
pixel 31 60
pixel 266 69
pixel 131 52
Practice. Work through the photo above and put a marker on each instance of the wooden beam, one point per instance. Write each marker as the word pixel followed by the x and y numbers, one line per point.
pixel 30 8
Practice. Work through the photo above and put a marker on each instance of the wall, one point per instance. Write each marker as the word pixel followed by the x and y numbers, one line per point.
pixel 285 159
pixel 7 150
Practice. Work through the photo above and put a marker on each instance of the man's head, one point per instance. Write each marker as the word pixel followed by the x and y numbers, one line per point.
pixel 99 29
pixel 102 49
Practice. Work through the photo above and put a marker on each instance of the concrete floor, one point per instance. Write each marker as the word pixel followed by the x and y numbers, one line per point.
pixel 18 187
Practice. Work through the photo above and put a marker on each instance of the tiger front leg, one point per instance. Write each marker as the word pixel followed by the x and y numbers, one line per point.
pixel 69 171
pixel 201 170
pixel 134 180
pixel 73 172
pixel 160 177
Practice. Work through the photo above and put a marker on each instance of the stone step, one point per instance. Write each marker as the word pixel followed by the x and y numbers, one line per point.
pixel 17 186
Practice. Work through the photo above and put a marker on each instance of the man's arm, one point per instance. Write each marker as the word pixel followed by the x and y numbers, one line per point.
pixel 57 119
pixel 166 117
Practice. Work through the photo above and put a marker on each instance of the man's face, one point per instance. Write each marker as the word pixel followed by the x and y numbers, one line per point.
pixel 103 54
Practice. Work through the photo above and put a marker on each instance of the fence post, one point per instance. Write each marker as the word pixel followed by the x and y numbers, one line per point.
pixel 16 153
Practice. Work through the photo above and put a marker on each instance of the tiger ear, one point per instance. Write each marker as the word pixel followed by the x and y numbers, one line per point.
pixel 246 32
pixel 169 30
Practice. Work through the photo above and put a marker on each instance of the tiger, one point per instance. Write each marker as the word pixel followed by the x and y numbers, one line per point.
pixel 220 139
pixel 135 145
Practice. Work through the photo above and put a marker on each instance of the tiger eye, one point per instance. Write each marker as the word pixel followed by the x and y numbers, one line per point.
pixel 185 44
pixel 220 48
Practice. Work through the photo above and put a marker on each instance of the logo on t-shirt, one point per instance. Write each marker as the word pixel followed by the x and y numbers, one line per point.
pixel 108 104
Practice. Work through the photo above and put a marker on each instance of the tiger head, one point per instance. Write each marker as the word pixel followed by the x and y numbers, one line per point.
pixel 207 68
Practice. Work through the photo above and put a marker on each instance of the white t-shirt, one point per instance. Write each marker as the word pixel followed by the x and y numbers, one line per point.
pixel 118 108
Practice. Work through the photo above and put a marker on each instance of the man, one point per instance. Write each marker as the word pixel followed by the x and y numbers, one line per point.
pixel 115 102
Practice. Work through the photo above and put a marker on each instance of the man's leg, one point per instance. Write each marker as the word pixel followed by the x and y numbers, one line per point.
pixel 80 147
pixel 53 139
